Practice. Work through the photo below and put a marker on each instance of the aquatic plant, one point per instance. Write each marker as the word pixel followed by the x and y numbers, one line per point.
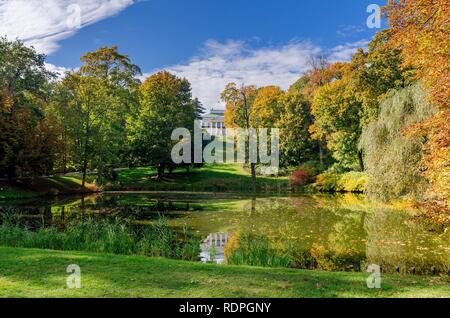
pixel 103 236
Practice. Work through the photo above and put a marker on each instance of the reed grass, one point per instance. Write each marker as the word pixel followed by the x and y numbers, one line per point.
pixel 103 236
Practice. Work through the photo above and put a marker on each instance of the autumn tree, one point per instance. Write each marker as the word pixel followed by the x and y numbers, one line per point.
pixel 94 105
pixel 337 113
pixel 117 77
pixel 83 117
pixel 27 137
pixel 321 72
pixel 266 109
pixel 420 28
pixel 165 104
pixel 296 144
pixel 375 72
pixel 239 109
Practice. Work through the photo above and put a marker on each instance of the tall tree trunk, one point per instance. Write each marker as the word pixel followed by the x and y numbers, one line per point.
pixel 64 152
pixel 100 170
pixel 247 122
pixel 85 158
pixel 253 171
pixel 360 160
pixel 83 181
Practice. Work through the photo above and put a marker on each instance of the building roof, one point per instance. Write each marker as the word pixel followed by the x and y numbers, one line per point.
pixel 217 111
pixel 215 114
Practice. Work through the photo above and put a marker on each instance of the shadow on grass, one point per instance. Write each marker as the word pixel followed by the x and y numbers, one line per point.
pixel 33 273
pixel 212 178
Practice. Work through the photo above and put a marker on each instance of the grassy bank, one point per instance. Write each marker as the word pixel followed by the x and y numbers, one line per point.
pixel 42 186
pixel 209 178
pixel 42 273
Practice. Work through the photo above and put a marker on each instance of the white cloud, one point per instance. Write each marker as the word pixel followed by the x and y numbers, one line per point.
pixel 345 51
pixel 43 23
pixel 59 71
pixel 236 61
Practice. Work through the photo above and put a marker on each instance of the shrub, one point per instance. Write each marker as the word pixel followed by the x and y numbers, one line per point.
pixel 327 182
pixel 305 173
pixel 301 177
pixel 344 182
pixel 353 182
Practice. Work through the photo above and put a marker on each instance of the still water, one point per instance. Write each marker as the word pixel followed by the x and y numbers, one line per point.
pixel 338 232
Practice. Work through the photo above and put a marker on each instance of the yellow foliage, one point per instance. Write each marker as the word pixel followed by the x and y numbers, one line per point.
pixel 421 29
pixel 232 245
pixel 266 109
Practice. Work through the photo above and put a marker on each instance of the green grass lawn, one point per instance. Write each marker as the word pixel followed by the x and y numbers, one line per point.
pixel 42 273
pixel 213 178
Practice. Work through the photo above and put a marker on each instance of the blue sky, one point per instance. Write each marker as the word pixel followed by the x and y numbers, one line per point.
pixel 208 41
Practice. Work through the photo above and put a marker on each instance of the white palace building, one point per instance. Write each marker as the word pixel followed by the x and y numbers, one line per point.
pixel 214 122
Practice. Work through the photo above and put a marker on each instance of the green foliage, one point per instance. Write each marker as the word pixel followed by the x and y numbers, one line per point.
pixel 393 160
pixel 296 145
pixel 256 250
pixel 94 106
pixel 376 72
pixel 199 109
pixel 336 113
pixel 166 104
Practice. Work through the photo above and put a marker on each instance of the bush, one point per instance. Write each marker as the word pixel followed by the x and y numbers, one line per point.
pixel 305 173
pixel 353 182
pixel 327 182
pixel 301 177
pixel 344 182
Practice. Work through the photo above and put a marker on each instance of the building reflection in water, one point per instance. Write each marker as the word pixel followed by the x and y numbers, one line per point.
pixel 212 248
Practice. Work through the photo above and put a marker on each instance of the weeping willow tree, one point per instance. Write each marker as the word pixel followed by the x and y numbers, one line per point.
pixel 393 160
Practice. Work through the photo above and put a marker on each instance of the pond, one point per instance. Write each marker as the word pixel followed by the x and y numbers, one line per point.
pixel 327 232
